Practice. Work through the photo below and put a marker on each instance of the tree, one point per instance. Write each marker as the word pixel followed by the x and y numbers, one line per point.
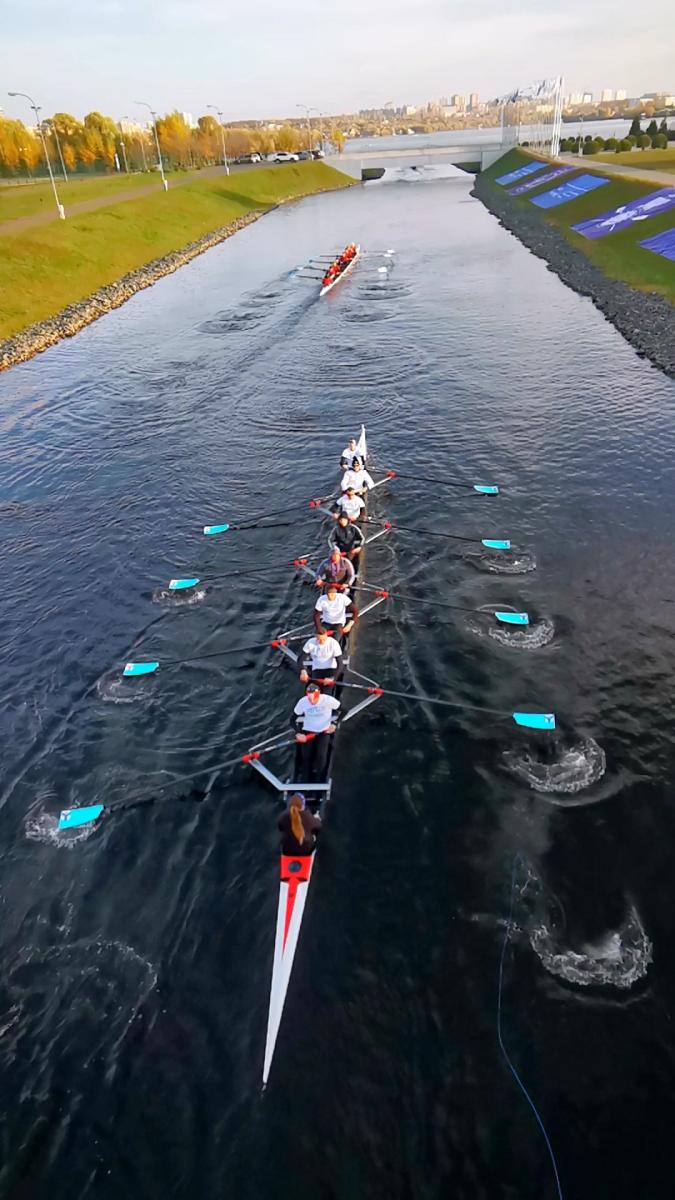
pixel 635 128
pixel 611 143
pixel 663 127
pixel 624 145
pixel 660 141
pixel 590 148
pixel 338 139
pixel 644 141
pixel 632 140
pixel 652 128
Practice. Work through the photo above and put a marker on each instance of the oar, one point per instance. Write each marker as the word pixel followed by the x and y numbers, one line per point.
pixel 526 720
pixel 491 543
pixel 484 489
pixel 176 585
pixel 134 669
pixel 251 522
pixel 73 818
pixel 507 618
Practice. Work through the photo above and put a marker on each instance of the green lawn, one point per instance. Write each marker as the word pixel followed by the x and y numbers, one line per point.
pixel 23 200
pixel 643 160
pixel 618 255
pixel 50 266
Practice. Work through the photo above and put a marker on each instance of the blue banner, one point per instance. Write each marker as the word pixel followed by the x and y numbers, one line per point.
pixel 526 170
pixel 569 191
pixel 662 243
pixel 620 218
pixel 545 178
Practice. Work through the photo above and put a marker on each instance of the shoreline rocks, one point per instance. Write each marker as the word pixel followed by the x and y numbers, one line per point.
pixel 645 319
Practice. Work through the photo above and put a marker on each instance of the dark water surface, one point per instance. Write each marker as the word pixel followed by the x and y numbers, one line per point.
pixel 136 958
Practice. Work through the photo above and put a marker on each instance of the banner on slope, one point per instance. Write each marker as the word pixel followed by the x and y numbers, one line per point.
pixel 662 243
pixel 526 170
pixel 545 178
pixel 620 218
pixel 569 190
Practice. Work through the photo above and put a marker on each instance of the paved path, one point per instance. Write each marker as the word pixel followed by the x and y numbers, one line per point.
pixel 663 177
pixel 20 224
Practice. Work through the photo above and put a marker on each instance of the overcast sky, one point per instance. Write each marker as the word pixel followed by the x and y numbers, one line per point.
pixel 261 59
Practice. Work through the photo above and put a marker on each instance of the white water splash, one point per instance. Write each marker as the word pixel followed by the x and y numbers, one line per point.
pixel 575 767
pixel 114 689
pixel 526 637
pixel 618 960
pixel 503 562
pixel 44 827
pixel 183 598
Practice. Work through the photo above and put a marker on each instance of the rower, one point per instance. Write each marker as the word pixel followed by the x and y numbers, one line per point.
pixel 323 651
pixel 314 714
pixel 350 504
pixel 335 612
pixel 298 828
pixel 347 537
pixel 357 477
pixel 348 455
pixel 336 569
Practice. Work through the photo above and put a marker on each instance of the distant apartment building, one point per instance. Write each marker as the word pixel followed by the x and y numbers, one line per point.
pixel 587 98
pixel 575 98
pixel 473 101
pixel 409 110
pixel 187 117
pixel 457 102
pixel 621 94
pixel 606 95
pixel 443 102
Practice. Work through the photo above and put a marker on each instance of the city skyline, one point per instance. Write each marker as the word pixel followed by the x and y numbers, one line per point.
pixel 186 55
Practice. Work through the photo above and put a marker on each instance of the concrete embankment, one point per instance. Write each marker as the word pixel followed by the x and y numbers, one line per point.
pixel 646 318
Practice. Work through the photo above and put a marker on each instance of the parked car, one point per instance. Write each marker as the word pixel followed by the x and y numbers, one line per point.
pixel 284 156
pixel 248 158
pixel 318 154
pixel 305 154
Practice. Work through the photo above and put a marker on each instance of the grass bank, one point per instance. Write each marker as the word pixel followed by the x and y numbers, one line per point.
pixel 642 160
pixel 619 255
pixel 48 267
pixel 29 199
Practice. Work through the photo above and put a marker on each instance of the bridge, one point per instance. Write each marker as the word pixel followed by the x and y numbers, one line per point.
pixel 372 164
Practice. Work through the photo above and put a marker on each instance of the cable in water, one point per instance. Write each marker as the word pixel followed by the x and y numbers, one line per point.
pixel 500 1038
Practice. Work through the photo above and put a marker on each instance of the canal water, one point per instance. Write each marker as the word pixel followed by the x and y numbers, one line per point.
pixel 136 954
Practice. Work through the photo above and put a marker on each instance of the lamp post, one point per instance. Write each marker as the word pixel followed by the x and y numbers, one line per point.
pixel 581 136
pixel 309 124
pixel 124 156
pixel 59 207
pixel 160 164
pixel 222 136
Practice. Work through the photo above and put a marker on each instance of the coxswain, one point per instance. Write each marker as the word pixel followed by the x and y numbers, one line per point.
pixel 323 651
pixel 335 569
pixel 348 455
pixel 335 611
pixel 350 504
pixel 347 537
pixel 298 828
pixel 315 715
pixel 357 477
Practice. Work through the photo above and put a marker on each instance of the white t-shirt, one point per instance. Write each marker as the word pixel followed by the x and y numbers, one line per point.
pixel 351 508
pixel 333 611
pixel 348 456
pixel 323 654
pixel 357 479
pixel 316 717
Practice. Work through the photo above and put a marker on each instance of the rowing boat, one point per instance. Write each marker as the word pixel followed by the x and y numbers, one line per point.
pixel 327 287
pixel 296 872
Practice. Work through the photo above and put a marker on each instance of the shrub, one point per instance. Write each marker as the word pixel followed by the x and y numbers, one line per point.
pixel 631 139
pixel 660 141
pixel 611 143
pixel 644 141
pixel 625 144
pixel 590 148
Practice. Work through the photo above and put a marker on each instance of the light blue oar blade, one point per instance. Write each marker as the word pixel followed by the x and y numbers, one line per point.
pixel 175 585
pixel 71 818
pixel 496 544
pixel 485 489
pixel 209 530
pixel 510 618
pixel 146 668
pixel 535 720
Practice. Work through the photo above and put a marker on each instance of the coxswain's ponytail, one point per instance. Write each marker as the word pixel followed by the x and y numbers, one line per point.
pixel 295 806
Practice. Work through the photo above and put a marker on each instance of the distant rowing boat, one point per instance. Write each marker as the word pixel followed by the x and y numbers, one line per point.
pixel 327 287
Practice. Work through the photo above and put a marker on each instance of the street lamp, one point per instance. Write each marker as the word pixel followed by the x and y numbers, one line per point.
pixel 222 136
pixel 160 164
pixel 309 123
pixel 59 207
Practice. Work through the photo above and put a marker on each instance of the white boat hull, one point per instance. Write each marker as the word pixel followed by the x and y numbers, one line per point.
pixel 329 286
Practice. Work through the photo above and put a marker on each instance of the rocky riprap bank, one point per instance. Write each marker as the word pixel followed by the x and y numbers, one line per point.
pixel 646 319
pixel 38 337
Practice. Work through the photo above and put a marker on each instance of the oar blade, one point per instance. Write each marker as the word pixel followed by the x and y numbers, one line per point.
pixel 496 543
pixel 534 720
pixel 486 489
pixel 210 530
pixel 513 618
pixel 140 668
pixel 177 585
pixel 72 818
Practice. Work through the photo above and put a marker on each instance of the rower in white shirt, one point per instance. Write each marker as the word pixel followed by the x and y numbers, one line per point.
pixel 349 453
pixel 323 653
pixel 348 505
pixel 335 612
pixel 314 715
pixel 357 477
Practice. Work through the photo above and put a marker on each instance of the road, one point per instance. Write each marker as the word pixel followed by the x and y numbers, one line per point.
pixel 667 177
